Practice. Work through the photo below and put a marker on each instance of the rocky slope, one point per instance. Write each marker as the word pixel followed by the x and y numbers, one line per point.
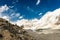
pixel 9 31
pixel 46 34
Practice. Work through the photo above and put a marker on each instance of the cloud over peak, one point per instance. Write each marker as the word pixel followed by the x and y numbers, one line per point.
pixel 49 20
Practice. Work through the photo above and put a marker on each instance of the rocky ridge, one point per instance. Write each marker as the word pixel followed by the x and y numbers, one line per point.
pixel 9 31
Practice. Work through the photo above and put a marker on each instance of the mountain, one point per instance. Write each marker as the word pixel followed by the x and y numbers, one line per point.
pixel 10 31
pixel 46 28
pixel 51 20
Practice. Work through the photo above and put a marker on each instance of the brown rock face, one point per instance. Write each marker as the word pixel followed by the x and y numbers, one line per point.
pixel 9 31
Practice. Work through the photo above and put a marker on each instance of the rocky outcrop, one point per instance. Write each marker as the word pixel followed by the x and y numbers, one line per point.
pixel 9 31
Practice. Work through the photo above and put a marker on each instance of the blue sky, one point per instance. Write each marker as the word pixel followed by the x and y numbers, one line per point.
pixel 28 9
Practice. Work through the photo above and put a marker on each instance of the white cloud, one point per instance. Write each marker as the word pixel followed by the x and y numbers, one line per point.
pixel 17 14
pixel 11 6
pixel 38 1
pixel 29 9
pixel 40 13
pixel 25 22
pixel 12 14
pixel 5 17
pixel 20 17
pixel 3 8
pixel 28 24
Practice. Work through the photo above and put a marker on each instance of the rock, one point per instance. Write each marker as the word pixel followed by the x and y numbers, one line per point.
pixel 9 31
